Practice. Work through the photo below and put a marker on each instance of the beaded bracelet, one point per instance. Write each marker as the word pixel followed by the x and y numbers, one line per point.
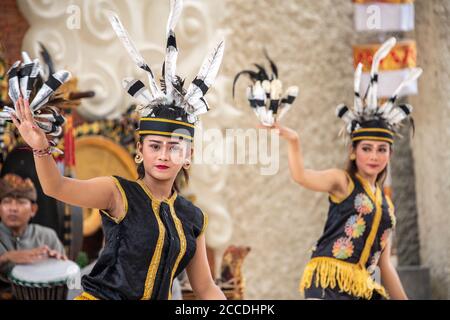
pixel 43 152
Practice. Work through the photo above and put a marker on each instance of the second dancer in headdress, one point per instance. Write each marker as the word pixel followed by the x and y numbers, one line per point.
pixel 356 237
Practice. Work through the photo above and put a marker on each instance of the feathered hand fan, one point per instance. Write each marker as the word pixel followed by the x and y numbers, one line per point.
pixel 265 94
pixel 25 81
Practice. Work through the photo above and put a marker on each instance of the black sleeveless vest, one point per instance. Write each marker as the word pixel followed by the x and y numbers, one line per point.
pixel 147 248
pixel 355 234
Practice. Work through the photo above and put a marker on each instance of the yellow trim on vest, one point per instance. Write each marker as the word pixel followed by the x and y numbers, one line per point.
pixel 373 138
pixel 124 199
pixel 205 223
pixel 165 133
pixel 154 264
pixel 169 120
pixel 373 130
pixel 389 202
pixel 125 203
pixel 391 210
pixel 85 296
pixel 377 200
pixel 182 237
pixel 367 188
pixel 350 188
pixel 116 220
pixel 169 201
pixel 348 277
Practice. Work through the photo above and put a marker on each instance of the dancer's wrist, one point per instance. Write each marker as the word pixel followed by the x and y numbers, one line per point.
pixel 293 137
pixel 42 150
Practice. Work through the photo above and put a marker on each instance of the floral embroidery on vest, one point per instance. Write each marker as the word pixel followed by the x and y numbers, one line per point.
pixel 343 248
pixel 355 226
pixel 363 204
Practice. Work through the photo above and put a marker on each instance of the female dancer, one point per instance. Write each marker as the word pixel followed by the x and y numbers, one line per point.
pixel 361 218
pixel 151 232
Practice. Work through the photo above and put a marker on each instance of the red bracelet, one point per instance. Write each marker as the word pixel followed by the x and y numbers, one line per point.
pixel 43 152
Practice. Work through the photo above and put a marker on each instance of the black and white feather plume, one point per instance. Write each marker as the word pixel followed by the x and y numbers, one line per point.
pixel 170 61
pixel 171 94
pixel 49 67
pixel 134 53
pixel 24 79
pixel 367 108
pixel 193 100
pixel 265 94
pixel 372 91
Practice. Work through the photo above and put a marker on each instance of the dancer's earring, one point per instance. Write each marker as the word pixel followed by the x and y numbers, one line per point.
pixel 138 158
pixel 187 164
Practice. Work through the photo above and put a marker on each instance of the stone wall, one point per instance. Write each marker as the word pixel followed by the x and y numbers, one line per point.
pixel 431 144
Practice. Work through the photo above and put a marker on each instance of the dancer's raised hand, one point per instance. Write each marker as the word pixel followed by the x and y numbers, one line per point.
pixel 284 132
pixel 28 129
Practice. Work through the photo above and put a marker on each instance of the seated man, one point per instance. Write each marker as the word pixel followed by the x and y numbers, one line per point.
pixel 22 242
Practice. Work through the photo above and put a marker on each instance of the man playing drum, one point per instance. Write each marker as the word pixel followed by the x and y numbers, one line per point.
pixel 22 242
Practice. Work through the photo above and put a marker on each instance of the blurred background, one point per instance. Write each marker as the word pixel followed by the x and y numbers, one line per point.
pixel 260 227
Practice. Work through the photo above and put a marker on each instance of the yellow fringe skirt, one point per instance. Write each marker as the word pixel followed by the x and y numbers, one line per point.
pixel 348 277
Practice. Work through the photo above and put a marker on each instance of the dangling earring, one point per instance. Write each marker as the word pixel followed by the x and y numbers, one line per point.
pixel 187 164
pixel 138 158
pixel 353 157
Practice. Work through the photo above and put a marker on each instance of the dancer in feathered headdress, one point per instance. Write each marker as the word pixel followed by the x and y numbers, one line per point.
pixel 152 233
pixel 265 95
pixel 361 218
pixel 368 120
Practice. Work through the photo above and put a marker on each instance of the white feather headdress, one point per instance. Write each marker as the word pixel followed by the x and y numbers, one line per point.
pixel 366 109
pixel 170 100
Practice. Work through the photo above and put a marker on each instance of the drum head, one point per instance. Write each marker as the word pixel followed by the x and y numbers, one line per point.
pixel 47 272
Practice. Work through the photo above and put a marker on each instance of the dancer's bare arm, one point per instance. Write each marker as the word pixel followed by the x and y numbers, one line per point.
pixel 199 274
pixel 333 181
pixel 389 276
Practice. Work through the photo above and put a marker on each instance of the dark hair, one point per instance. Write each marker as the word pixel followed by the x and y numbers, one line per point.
pixel 181 181
pixel 352 168
pixel 169 112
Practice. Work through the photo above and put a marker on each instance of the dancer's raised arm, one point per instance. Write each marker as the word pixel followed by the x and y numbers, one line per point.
pixel 93 193
pixel 333 181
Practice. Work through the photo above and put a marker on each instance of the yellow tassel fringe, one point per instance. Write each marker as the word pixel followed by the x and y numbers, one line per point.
pixel 350 278
pixel 85 296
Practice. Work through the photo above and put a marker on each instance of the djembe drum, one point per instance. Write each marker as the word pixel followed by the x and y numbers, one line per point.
pixel 46 280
